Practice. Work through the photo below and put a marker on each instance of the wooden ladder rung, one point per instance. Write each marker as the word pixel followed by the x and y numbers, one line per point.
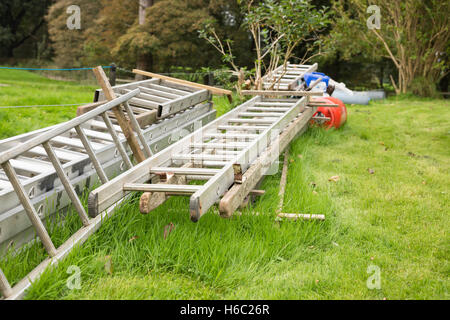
pixel 172 188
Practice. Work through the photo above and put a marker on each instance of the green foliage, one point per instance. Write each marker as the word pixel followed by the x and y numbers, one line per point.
pixel 413 35
pixel 20 21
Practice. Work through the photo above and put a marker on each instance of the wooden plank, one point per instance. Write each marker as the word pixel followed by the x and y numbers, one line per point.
pixel 189 83
pixel 238 192
pixel 151 200
pixel 120 116
pixel 172 188
pixel 88 107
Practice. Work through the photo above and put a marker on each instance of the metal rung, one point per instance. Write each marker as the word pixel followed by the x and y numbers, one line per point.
pixel 75 143
pixel 231 145
pixel 95 134
pixel 172 188
pixel 184 171
pixel 260 114
pixel 242 128
pixel 64 155
pixel 268 109
pixel 32 166
pixel 102 125
pixel 274 104
pixel 169 90
pixel 204 157
pixel 160 93
pixel 229 135
pixel 265 121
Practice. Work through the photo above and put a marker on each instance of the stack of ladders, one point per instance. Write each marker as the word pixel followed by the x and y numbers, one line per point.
pixel 160 108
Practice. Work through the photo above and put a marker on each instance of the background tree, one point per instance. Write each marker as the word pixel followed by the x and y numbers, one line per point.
pixel 69 45
pixel 20 21
pixel 413 35
pixel 276 27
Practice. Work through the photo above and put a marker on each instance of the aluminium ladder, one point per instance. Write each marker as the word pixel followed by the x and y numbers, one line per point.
pixel 39 177
pixel 287 79
pixel 215 153
pixel 46 141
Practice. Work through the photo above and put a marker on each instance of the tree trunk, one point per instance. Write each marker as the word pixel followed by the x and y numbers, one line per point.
pixel 144 61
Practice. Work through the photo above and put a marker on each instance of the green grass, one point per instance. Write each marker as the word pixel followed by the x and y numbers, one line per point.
pixel 22 88
pixel 396 219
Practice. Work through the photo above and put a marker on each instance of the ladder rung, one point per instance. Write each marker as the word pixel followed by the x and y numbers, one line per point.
pixel 265 121
pixel 95 134
pixel 168 89
pixel 274 104
pixel 205 157
pixel 185 171
pixel 160 93
pixel 219 145
pixel 172 188
pixel 33 166
pixel 242 128
pixel 229 135
pixel 73 142
pixel 102 125
pixel 260 114
pixel 268 109
pixel 64 155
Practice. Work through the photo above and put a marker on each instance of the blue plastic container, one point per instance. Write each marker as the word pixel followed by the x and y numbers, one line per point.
pixel 313 76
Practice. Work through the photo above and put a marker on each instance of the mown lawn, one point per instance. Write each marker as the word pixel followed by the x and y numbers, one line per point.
pixel 23 88
pixel 387 211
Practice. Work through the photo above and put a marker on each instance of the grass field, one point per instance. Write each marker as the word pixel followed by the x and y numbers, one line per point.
pixel 388 211
pixel 23 88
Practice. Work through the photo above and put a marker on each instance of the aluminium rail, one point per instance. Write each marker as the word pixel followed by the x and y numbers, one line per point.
pixel 218 151
pixel 45 139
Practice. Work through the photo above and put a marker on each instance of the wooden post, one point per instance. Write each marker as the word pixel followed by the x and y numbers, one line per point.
pixel 118 113
pixel 151 200
pixel 112 74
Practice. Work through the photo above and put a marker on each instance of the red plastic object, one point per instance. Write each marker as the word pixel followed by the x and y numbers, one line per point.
pixel 337 115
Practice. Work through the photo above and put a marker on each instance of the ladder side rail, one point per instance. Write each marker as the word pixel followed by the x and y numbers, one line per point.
pixel 117 142
pixel 66 183
pixel 137 129
pixel 91 153
pixel 5 287
pixel 60 129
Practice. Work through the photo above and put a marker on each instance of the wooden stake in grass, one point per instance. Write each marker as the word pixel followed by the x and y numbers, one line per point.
pixel 283 181
pixel 119 114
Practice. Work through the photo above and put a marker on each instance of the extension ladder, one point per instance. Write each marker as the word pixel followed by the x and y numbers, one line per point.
pixel 288 78
pixel 38 175
pixel 217 153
